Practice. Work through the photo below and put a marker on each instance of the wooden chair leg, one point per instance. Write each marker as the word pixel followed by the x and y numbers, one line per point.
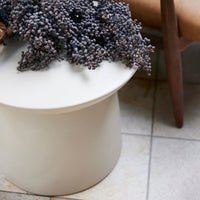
pixel 172 57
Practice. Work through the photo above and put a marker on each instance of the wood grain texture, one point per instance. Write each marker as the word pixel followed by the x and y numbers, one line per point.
pixel 172 57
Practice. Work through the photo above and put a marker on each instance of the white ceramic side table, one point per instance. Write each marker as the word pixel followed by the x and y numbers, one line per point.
pixel 59 128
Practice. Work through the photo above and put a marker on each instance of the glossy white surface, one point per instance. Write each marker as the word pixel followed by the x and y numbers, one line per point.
pixel 63 85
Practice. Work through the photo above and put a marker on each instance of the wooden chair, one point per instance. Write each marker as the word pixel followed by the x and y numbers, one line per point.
pixel 179 22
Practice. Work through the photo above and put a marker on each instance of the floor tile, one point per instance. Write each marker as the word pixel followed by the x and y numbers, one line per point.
pixel 164 120
pixel 136 102
pixel 15 196
pixel 128 180
pixel 175 173
pixel 7 186
pixel 190 64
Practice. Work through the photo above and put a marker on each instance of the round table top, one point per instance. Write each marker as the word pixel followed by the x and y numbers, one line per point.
pixel 62 85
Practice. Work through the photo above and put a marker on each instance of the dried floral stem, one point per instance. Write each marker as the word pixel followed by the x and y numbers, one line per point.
pixel 81 31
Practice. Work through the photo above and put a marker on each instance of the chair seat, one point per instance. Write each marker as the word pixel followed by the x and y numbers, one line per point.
pixel 188 14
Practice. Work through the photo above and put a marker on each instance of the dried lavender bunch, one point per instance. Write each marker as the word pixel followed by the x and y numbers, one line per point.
pixel 80 31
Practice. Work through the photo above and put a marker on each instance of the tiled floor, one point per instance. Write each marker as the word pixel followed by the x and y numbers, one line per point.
pixel 158 161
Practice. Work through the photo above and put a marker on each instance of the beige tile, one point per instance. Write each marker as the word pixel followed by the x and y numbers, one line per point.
pixel 190 64
pixel 7 186
pixel 136 101
pixel 175 173
pixel 15 196
pixel 128 180
pixel 164 119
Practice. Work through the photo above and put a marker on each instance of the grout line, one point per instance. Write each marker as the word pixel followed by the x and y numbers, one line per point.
pixel 143 79
pixel 68 198
pixel 26 194
pixel 64 198
pixel 152 126
pixel 135 134
pixel 4 191
pixel 35 195
pixel 191 83
pixel 184 82
pixel 177 138
pixel 149 169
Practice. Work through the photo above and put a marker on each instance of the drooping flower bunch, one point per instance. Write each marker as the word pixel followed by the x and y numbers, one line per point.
pixel 81 31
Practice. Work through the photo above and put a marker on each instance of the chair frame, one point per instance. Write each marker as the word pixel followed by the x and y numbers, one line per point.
pixel 173 44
